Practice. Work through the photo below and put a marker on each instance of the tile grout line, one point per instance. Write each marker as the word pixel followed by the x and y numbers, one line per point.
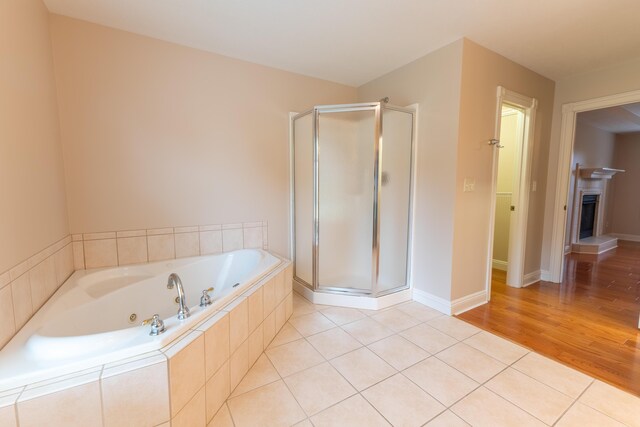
pixel 374 408
pixel 233 421
pixel 565 412
pixel 545 384
pixel 593 381
pixel 438 414
pixel 516 405
pixel 255 388
pixel 437 400
pixel 285 383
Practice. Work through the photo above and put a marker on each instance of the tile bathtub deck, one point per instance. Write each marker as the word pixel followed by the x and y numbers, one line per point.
pixel 411 366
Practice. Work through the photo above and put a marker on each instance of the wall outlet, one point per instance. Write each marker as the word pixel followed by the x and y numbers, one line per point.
pixel 469 185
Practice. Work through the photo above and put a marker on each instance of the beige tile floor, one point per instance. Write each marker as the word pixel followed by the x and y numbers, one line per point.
pixel 411 366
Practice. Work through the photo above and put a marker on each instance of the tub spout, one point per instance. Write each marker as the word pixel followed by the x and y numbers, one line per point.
pixel 183 310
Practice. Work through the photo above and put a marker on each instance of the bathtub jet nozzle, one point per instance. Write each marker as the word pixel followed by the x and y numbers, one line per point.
pixel 183 310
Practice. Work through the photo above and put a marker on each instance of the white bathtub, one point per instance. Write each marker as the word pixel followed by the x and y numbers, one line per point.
pixel 87 321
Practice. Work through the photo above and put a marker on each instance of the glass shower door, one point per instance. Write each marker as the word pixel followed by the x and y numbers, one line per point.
pixel 346 155
pixel 395 198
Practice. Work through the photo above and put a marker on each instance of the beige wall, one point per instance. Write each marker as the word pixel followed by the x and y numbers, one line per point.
pixel 456 89
pixel 626 195
pixel 33 206
pixel 612 80
pixel 433 82
pixel 593 147
pixel 482 71
pixel 156 134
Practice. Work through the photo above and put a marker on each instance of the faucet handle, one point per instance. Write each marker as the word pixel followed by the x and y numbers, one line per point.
pixel 205 299
pixel 157 325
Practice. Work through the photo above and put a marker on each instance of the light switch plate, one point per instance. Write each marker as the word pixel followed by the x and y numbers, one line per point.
pixel 469 185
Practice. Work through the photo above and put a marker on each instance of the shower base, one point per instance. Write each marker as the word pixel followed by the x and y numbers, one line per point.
pixel 352 301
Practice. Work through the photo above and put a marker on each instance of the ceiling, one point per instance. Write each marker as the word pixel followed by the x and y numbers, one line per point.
pixel 355 41
pixel 620 119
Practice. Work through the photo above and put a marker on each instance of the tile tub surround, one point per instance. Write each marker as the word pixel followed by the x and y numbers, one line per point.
pixel 28 285
pixel 184 383
pixel 25 287
pixel 350 367
pixel 116 248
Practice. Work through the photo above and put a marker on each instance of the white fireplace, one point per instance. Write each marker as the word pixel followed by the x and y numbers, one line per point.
pixel 588 210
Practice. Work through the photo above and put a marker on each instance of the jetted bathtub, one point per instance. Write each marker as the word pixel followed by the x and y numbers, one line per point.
pixel 96 316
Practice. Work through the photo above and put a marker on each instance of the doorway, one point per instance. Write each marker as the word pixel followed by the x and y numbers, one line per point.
pixel 560 234
pixel 511 185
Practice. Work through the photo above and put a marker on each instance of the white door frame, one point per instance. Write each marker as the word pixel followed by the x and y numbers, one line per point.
pixel 520 197
pixel 567 136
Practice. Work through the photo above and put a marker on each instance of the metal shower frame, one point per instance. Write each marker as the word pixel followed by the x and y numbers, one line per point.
pixel 377 108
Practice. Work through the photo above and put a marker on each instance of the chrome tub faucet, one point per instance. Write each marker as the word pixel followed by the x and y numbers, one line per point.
pixel 183 310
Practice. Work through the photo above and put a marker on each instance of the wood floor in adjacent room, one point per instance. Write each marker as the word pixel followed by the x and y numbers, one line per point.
pixel 589 322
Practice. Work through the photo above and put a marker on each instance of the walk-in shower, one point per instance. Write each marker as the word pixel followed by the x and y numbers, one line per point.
pixel 351 201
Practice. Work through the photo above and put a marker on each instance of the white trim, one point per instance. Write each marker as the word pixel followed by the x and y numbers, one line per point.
pixel 531 278
pixel 518 223
pixel 594 249
pixel 457 306
pixel 591 187
pixel 545 275
pixel 437 303
pixel 567 136
pixel 499 264
pixel 627 237
pixel 468 302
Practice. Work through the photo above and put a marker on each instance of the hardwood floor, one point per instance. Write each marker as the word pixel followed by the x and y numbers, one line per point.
pixel 589 322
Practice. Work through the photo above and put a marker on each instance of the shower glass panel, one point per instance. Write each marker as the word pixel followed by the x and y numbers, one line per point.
pixel 395 198
pixel 346 148
pixel 303 193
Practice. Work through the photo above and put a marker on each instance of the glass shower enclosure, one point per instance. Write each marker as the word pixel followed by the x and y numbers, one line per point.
pixel 351 199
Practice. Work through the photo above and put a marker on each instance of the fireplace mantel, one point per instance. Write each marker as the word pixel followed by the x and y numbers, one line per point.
pixel 598 173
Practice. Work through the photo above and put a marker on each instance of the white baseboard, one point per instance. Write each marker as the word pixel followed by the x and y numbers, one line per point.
pixel 456 306
pixel 629 237
pixel 531 278
pixel 545 275
pixel 437 303
pixel 468 302
pixel 499 265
